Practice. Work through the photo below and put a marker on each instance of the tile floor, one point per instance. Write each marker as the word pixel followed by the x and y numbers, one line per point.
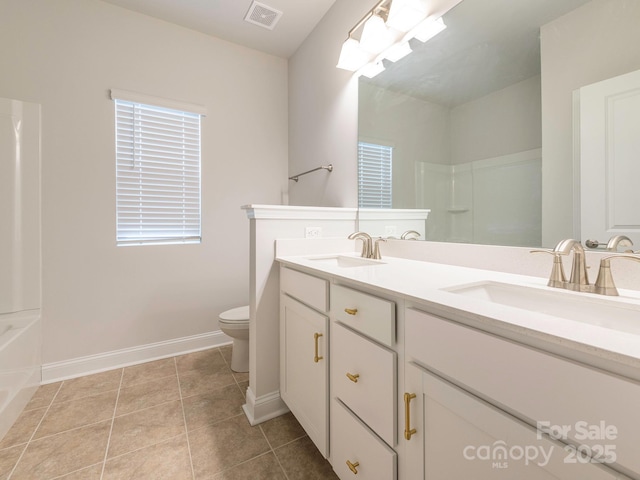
pixel 177 418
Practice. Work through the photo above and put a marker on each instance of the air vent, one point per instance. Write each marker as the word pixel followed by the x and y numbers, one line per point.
pixel 263 15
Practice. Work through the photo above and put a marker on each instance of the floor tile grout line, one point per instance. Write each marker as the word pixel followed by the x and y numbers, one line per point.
pixel 273 450
pixel 184 419
pixel 26 445
pixel 75 471
pixel 113 420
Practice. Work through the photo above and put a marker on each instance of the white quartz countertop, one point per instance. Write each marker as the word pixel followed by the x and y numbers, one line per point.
pixel 424 284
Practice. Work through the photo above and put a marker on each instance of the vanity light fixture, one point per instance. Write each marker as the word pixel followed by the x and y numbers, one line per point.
pixel 386 31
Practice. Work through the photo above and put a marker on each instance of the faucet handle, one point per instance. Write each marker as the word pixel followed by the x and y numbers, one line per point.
pixel 557 278
pixel 604 283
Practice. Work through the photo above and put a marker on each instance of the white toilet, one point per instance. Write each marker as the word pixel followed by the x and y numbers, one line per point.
pixel 235 323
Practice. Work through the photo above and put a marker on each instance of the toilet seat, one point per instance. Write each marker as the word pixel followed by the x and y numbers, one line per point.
pixel 236 315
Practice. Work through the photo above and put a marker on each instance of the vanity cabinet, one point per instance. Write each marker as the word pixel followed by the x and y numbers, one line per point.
pixel 409 395
pixel 488 408
pixel 363 383
pixel 304 352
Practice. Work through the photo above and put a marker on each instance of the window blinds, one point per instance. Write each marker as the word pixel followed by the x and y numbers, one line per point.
pixel 157 174
pixel 374 175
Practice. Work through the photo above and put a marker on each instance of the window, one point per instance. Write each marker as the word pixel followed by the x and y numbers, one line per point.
pixel 374 175
pixel 157 173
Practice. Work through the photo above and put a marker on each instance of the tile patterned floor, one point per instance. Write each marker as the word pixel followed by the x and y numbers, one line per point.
pixel 177 418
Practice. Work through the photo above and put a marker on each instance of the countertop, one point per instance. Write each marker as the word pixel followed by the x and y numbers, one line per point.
pixel 424 285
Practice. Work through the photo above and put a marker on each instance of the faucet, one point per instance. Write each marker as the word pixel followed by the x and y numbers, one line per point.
pixel 366 243
pixel 410 235
pixel 612 244
pixel 622 240
pixel 579 280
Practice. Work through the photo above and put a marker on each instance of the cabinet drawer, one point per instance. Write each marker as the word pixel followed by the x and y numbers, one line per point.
pixel 365 313
pixel 534 386
pixel 308 289
pixel 370 392
pixel 352 441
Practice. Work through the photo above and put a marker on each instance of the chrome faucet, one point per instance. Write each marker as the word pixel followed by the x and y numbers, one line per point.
pixel 366 243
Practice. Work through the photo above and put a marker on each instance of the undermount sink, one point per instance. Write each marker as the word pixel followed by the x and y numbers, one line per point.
pixel 624 317
pixel 345 261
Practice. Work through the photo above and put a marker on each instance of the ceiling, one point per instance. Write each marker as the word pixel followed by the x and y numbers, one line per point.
pixel 488 45
pixel 225 19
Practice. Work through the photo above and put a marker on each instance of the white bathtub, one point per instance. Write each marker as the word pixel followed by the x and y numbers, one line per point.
pixel 20 363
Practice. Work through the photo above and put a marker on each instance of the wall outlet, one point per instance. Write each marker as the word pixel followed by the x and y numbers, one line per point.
pixel 312 232
pixel 391 231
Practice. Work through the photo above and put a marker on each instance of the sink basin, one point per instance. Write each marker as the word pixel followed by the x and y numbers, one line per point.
pixel 605 313
pixel 345 261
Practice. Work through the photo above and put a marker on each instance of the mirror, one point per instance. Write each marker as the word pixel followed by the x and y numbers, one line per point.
pixel 466 117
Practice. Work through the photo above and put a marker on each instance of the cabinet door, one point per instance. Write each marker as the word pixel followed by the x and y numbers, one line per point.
pixel 457 435
pixel 304 368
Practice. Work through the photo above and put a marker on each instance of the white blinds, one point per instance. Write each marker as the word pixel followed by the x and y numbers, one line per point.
pixel 157 174
pixel 374 175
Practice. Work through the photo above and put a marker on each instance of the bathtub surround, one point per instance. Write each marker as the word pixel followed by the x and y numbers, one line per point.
pixel 20 264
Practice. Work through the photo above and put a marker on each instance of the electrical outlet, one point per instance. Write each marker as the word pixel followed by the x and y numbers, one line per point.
pixel 312 232
pixel 391 231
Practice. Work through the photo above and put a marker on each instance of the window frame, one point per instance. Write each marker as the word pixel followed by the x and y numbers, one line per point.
pixel 158 170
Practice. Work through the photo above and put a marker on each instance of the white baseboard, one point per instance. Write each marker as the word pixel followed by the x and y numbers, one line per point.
pixel 263 408
pixel 78 367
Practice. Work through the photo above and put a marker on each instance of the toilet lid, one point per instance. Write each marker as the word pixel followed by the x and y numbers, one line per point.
pixel 236 314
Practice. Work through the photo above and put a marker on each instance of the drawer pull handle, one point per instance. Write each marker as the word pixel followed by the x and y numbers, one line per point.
pixel 351 311
pixel 353 467
pixel 316 358
pixel 408 431
pixel 353 378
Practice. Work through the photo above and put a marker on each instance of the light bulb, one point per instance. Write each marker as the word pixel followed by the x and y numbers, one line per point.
pixel 428 29
pixel 372 69
pixel 375 35
pixel 352 57
pixel 406 14
pixel 397 51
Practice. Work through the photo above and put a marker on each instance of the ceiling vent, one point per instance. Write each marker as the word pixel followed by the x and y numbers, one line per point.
pixel 263 15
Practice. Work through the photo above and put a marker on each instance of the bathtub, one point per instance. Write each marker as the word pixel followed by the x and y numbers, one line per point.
pixel 20 363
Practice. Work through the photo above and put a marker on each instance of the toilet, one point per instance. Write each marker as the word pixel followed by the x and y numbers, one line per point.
pixel 235 323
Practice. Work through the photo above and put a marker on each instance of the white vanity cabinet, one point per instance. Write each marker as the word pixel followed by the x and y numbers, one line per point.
pixel 304 352
pixel 488 408
pixel 363 385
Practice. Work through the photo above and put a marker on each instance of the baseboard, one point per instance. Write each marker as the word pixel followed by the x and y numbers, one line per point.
pixel 78 367
pixel 263 408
